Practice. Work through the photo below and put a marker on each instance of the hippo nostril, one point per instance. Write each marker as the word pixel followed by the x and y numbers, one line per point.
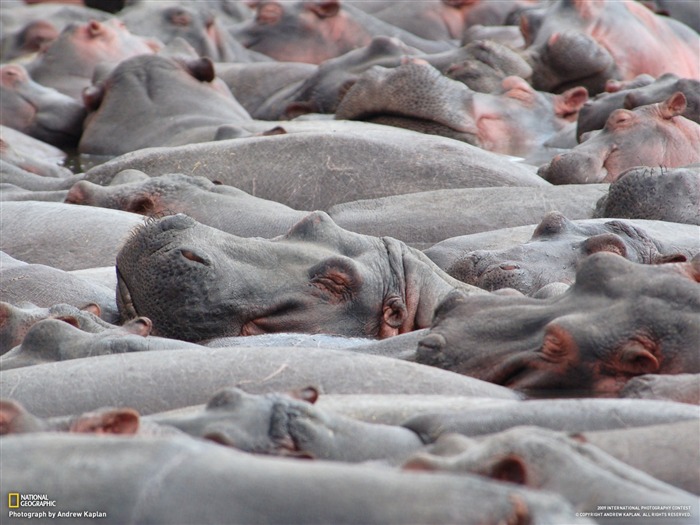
pixel 176 222
pixel 187 254
pixel 508 267
pixel 432 343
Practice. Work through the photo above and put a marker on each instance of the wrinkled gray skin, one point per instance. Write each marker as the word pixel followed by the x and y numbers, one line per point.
pixel 649 449
pixel 617 321
pixel 153 100
pixel 514 121
pixel 683 388
pixel 317 278
pixel 543 459
pixel 654 193
pixel 15 321
pixel 53 340
pixel 24 159
pixel 38 111
pixel 570 415
pixel 63 236
pixel 342 162
pixel 642 91
pixel 69 62
pixel 653 135
pixel 682 237
pixel 290 425
pixel 46 286
pixel 554 252
pixel 219 206
pixel 272 491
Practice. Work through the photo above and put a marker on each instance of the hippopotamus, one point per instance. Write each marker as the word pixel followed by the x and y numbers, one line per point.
pixel 649 193
pixel 647 448
pixel 317 278
pixel 46 286
pixel 51 340
pixel 316 31
pixel 15 321
pixel 606 329
pixel 63 236
pixel 69 62
pixel 153 100
pixel 448 19
pixel 641 91
pixel 653 135
pixel 543 459
pixel 195 22
pixel 586 42
pixel 38 111
pixel 417 96
pixel 291 425
pixel 273 491
pixel 556 249
pixel 331 171
pixel 683 388
pixel 151 382
pixel 24 159
pixel 482 66
pixel 224 207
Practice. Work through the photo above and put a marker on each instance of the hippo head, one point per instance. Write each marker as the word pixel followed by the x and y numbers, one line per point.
pixel 553 253
pixel 196 282
pixel 618 320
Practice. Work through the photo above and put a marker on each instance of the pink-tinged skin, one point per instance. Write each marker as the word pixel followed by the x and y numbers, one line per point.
pixel 653 135
pixel 638 40
pixel 69 62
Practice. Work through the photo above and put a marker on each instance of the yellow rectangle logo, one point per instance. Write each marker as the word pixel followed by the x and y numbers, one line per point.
pixel 13 497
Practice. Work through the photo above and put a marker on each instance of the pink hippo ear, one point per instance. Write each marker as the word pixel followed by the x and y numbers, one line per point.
pixel 116 421
pixel 637 358
pixel 510 468
pixel 143 205
pixel 308 394
pixel 394 315
pixel 9 412
pixel 93 308
pixel 323 8
pixel 140 326
pixel 568 104
pixel 201 68
pixel 674 105
pixel 92 96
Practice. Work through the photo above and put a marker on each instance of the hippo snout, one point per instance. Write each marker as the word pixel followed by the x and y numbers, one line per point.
pixel 573 168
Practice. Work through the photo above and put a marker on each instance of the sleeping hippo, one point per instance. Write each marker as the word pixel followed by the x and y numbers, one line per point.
pixel 196 282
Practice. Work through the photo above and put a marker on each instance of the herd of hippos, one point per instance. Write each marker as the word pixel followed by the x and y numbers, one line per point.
pixel 363 262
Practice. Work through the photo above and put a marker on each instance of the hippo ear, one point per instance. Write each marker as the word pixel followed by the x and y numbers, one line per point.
pixel 70 319
pixel 92 308
pixel 200 68
pixel 117 421
pixel 553 223
pixel 324 8
pixel 670 258
pixel 92 96
pixel 140 326
pixel 9 412
pixel 637 358
pixel 394 315
pixel 143 205
pixel 510 468
pixel 673 106
pixel 308 394
pixel 568 104
pixel 605 242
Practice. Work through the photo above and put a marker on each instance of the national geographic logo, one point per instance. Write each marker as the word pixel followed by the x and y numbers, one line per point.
pixel 16 500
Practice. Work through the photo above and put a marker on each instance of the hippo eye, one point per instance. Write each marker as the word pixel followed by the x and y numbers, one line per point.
pixel 187 254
